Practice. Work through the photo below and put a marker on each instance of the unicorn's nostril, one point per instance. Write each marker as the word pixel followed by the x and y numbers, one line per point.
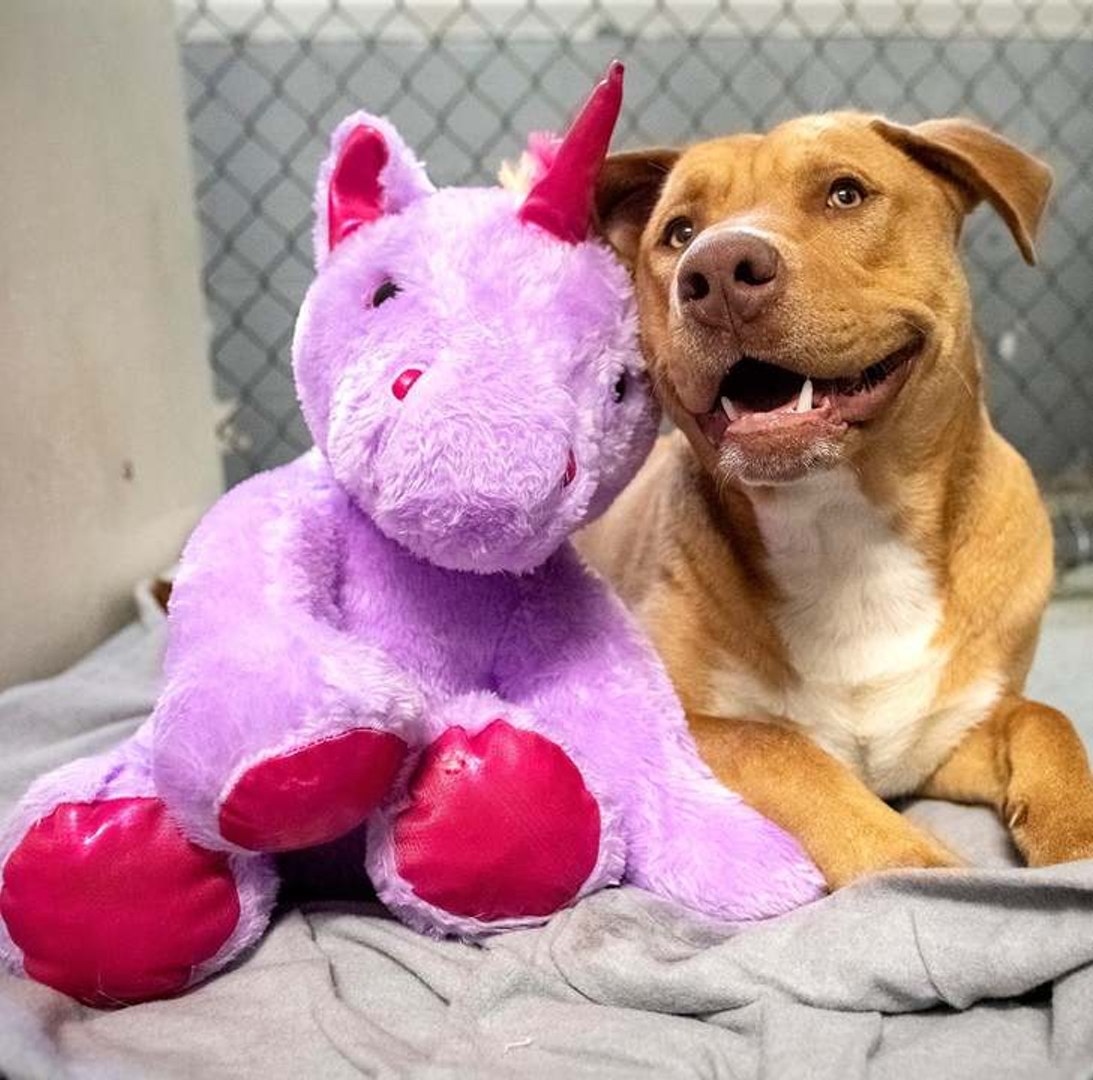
pixel 570 473
pixel 401 386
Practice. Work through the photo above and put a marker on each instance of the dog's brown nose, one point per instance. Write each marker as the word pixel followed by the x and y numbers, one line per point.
pixel 729 275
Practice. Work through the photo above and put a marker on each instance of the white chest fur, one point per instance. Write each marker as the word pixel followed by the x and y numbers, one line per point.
pixel 858 613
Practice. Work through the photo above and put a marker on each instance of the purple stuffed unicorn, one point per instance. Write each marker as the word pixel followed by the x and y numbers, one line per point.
pixel 394 632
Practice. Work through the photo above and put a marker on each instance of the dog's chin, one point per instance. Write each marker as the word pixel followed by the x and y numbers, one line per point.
pixel 783 459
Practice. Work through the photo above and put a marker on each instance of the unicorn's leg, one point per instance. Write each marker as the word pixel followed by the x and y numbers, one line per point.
pixel 496 827
pixel 104 898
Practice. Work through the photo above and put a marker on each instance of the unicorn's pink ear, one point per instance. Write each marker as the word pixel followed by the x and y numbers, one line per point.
pixel 368 173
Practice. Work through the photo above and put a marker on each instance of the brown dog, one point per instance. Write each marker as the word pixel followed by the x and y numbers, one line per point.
pixel 842 563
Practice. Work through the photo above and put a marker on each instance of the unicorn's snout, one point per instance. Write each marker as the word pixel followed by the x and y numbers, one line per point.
pixel 487 495
pixel 404 383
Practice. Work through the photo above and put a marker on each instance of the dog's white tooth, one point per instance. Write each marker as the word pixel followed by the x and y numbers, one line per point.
pixel 730 412
pixel 804 402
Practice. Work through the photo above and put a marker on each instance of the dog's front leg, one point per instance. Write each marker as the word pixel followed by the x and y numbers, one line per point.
pixel 847 830
pixel 1027 761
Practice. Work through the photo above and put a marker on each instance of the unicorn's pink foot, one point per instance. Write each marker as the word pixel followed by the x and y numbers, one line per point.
pixel 110 903
pixel 311 794
pixel 500 825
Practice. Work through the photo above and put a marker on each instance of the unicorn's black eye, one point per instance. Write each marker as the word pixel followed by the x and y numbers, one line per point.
pixel 618 391
pixel 384 293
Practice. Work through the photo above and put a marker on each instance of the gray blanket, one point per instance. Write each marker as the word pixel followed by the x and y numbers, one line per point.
pixel 985 973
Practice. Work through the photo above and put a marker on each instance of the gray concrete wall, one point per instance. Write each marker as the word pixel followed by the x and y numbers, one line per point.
pixel 107 452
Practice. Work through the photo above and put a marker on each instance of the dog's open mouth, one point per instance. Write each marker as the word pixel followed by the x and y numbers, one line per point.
pixel 760 397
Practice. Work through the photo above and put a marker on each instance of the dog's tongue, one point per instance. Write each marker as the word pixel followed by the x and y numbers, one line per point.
pixel 813 419
pixel 759 396
pixel 785 416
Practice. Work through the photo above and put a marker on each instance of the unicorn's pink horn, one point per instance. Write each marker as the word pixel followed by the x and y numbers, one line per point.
pixel 561 199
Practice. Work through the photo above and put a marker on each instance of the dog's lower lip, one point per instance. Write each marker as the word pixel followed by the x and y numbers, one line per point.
pixel 824 406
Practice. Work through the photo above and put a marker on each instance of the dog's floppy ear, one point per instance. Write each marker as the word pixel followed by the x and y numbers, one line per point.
pixel 980 165
pixel 626 192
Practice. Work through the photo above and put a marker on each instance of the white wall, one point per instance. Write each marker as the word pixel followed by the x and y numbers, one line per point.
pixel 107 454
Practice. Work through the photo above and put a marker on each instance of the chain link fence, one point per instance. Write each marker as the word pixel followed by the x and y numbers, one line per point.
pixel 267 80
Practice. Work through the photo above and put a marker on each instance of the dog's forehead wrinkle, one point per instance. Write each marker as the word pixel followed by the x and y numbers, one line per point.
pixel 710 171
pixel 698 186
pixel 832 142
pixel 768 176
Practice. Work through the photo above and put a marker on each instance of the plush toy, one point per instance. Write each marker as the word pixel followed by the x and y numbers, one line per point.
pixel 394 630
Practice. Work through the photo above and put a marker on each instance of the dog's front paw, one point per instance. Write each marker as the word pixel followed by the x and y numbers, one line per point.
pixel 871 850
pixel 1048 830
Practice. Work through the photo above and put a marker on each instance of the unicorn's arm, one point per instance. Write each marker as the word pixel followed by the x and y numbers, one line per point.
pixel 276 729
pixel 576 658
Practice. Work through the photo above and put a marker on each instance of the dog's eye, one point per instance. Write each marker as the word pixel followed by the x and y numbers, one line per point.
pixel 384 293
pixel 618 391
pixel 845 194
pixel 679 233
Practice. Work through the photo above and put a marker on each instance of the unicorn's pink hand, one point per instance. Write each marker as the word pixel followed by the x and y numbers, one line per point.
pixel 311 793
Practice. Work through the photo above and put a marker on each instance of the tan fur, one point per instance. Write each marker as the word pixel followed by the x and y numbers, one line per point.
pixel 869 624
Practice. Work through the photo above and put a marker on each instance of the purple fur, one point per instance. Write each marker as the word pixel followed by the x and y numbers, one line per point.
pixel 413 571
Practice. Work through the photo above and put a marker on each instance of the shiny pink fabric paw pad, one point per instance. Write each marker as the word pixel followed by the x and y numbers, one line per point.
pixel 500 825
pixel 111 904
pixel 313 794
